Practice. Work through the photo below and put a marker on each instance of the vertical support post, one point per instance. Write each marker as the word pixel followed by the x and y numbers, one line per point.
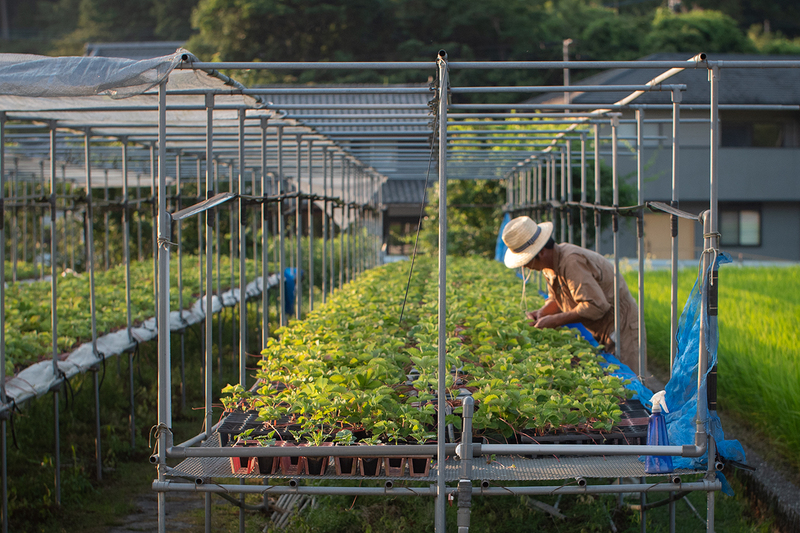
pixel 281 230
pixel 673 308
pixel 126 245
pixel 53 312
pixel 138 219
pixel 711 233
pixel 164 375
pixel 341 234
pixel 440 456
pixel 179 232
pixel 200 270
pixel 640 277
pixel 298 226
pixel 218 252
pixel 640 239
pixel 563 178
pixel 264 238
pixel 465 456
pixel 232 253
pixel 3 398
pixel 310 226
pixel 676 114
pixel 348 229
pixel 15 218
pixel 597 201
pixel 242 283
pixel 615 228
pixel 210 218
pixel 106 257
pixel 92 303
pixel 583 189
pixel 153 197
pixel 324 223
pixel 568 209
pixel 242 261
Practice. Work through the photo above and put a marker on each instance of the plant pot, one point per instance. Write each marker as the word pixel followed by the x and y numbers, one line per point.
pixel 292 466
pixel 346 466
pixel 370 466
pixel 419 465
pixel 317 466
pixel 395 466
pixel 244 465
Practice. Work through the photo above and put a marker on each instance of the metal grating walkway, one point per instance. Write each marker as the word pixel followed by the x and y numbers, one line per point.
pixel 501 468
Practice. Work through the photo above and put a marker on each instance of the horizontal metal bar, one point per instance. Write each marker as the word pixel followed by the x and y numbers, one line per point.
pixel 172 486
pixel 483 65
pixel 568 89
pixel 581 449
pixel 306 65
pixel 704 485
pixel 309 451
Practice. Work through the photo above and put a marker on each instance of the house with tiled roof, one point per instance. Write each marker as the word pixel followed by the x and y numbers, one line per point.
pixel 759 155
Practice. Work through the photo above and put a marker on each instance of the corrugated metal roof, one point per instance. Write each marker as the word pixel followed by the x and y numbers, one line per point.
pixel 384 126
pixel 737 85
pixel 401 191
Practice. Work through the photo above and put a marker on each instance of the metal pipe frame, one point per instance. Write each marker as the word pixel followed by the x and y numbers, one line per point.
pixel 176 486
pixel 358 195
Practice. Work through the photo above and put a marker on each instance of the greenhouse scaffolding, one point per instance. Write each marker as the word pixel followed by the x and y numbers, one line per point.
pixel 72 111
pixel 526 173
pixel 703 442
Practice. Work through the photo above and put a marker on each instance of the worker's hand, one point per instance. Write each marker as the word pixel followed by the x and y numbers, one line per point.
pixel 533 315
pixel 549 321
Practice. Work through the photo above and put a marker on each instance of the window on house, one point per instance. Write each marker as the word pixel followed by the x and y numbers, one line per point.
pixel 740 227
pixel 753 134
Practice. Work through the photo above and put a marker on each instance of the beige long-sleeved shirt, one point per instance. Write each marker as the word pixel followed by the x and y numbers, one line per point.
pixel 583 281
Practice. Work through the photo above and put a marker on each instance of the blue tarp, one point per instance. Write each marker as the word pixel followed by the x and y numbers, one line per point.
pixel 500 248
pixel 289 276
pixel 682 392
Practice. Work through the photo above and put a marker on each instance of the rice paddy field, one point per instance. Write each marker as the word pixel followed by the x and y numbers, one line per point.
pixel 759 346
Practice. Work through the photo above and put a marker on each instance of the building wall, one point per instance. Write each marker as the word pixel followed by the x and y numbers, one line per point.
pixel 751 179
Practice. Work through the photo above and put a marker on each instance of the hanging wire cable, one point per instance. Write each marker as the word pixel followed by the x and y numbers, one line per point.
pixel 421 212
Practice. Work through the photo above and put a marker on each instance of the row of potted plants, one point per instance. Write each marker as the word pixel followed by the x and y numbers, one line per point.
pixel 353 365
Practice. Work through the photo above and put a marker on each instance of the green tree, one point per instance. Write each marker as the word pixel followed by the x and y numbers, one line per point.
pixel 696 31
pixel 474 214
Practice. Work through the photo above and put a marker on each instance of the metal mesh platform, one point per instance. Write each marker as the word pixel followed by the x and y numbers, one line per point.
pixel 501 468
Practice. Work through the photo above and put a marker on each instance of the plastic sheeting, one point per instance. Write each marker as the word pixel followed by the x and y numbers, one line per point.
pixel 39 378
pixel 682 390
pixel 43 76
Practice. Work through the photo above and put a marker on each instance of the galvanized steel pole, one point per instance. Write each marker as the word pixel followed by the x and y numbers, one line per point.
pixel 673 345
pixel 126 245
pixel 640 240
pixel 3 397
pixel 298 223
pixel 310 226
pixel 210 217
pixel 597 201
pixel 324 223
pixel 583 189
pixel 281 230
pixel 53 313
pixel 264 239
pixel 441 497
pixel 92 303
pixel 615 229
pixel 164 374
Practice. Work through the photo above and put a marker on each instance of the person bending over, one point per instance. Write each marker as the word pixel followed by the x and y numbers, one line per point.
pixel 580 286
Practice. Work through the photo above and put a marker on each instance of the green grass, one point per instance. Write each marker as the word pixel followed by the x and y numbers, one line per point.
pixel 759 346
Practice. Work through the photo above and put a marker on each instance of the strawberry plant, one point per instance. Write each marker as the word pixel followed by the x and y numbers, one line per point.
pixel 352 364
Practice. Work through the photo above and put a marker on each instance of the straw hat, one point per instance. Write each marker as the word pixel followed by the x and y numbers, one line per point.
pixel 525 239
